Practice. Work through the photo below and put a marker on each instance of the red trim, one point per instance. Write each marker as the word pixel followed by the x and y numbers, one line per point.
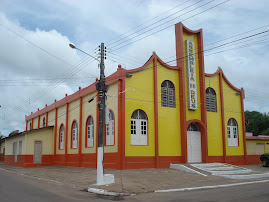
pixel 55 130
pixel 220 72
pixel 38 125
pixel 222 118
pixel 181 75
pixel 165 161
pixel 86 132
pixel 235 160
pixel 156 112
pixel 71 145
pixel 242 95
pixel 32 125
pixel 80 128
pixel 121 122
pixel 66 130
pixel 47 116
pixel 26 128
pixel 59 146
pixel 106 131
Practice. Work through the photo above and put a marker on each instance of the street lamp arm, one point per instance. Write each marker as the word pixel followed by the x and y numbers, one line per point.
pixel 74 47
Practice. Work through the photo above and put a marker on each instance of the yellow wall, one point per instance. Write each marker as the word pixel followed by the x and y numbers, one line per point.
pixel 192 114
pixel 35 123
pixel 73 114
pixel 112 103
pixel 168 117
pixel 254 149
pixel 9 144
pixel 51 118
pixel 232 109
pixel 139 95
pixel 44 135
pixel 2 147
pixel 214 125
pixel 89 109
pixel 61 120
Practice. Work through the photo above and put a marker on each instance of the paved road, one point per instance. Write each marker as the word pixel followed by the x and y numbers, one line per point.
pixel 253 192
pixel 14 187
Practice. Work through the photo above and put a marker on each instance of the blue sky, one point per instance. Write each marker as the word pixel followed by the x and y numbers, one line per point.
pixel 52 25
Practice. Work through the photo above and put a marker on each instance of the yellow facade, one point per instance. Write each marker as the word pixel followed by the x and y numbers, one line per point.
pixel 138 95
pixel 112 104
pixel 9 144
pixel 232 109
pixel 89 109
pixel 214 121
pixel 169 137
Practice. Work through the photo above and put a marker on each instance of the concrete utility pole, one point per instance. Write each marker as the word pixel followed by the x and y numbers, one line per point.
pixel 102 89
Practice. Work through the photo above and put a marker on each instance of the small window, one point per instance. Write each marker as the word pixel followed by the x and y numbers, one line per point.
pixel 90 132
pixel 211 103
pixel 110 129
pixel 74 135
pixel 168 94
pixel 44 122
pixel 139 128
pixel 30 126
pixel 232 133
pixel 61 141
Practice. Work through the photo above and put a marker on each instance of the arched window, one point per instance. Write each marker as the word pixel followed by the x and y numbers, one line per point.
pixel 30 126
pixel 110 129
pixel 90 132
pixel 168 94
pixel 139 128
pixel 232 133
pixel 44 122
pixel 74 135
pixel 211 101
pixel 193 127
pixel 61 137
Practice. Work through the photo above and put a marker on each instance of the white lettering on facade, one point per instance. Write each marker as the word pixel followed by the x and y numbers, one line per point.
pixel 191 74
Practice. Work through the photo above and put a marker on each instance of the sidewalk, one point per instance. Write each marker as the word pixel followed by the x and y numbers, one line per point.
pixel 126 181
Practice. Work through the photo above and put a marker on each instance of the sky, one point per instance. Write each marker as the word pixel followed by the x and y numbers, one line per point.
pixel 37 65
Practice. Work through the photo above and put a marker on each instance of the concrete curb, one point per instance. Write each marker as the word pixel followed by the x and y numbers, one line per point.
pixel 107 193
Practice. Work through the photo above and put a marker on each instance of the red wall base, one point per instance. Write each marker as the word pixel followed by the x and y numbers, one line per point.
pixel 253 159
pixel 111 160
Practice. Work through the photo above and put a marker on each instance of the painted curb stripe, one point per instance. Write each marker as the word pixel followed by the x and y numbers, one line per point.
pixel 211 187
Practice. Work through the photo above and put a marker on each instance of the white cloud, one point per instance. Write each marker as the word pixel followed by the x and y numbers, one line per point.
pixel 53 24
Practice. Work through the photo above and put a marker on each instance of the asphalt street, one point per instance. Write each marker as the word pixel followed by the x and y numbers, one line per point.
pixel 14 187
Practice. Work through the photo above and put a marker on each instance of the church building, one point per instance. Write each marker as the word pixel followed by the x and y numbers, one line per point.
pixel 158 114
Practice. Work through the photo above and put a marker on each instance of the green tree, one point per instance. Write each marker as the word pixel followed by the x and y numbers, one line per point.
pixel 256 122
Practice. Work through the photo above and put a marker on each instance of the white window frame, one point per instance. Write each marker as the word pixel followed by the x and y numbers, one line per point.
pixel 74 135
pixel 139 128
pixel 90 132
pixel 110 129
pixel 62 137
pixel 232 133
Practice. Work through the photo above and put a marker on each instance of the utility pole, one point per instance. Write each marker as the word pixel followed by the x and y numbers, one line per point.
pixel 102 89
